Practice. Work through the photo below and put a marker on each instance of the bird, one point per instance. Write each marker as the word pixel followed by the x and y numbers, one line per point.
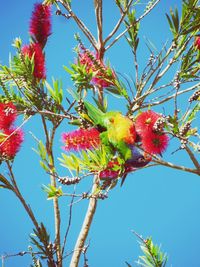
pixel 118 131
pixel 137 160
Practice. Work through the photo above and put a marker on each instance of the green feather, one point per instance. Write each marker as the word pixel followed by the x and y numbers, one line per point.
pixel 94 113
pixel 124 150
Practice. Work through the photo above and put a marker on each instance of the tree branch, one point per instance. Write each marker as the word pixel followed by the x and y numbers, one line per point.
pixel 168 98
pixel 99 19
pixel 118 23
pixel 69 222
pixel 173 166
pixel 193 158
pixel 49 146
pixel 81 25
pixel 20 197
pixel 85 227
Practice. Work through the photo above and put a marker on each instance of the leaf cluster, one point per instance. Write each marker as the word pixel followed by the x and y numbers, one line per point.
pixel 52 191
pixel 89 160
pixel 41 239
pixel 153 256
pixel 187 22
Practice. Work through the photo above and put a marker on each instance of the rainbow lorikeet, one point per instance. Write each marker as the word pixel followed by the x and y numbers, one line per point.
pixel 118 131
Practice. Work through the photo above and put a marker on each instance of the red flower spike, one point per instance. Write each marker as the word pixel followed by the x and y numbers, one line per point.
pixel 81 139
pixel 155 143
pixel 108 174
pixel 8 114
pixel 11 146
pixel 145 121
pixel 40 24
pixel 101 78
pixel 86 60
pixel 35 49
pixel 197 42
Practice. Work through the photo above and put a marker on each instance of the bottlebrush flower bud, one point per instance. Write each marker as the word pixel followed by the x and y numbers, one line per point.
pixel 40 23
pixel 81 139
pixel 8 114
pixel 10 146
pixel 68 180
pixel 195 96
pixel 35 50
pixel 184 129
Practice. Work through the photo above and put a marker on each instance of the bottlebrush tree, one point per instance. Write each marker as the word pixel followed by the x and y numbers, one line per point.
pixel 157 107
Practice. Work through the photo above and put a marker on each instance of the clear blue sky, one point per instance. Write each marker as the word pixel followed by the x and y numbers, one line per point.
pixel 158 202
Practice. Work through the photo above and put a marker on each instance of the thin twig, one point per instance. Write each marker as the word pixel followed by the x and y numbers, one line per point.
pixel 81 25
pixel 124 12
pixel 19 127
pixel 125 31
pixel 193 158
pixel 20 197
pixel 69 222
pixel 167 98
pixel 49 146
pixel 173 166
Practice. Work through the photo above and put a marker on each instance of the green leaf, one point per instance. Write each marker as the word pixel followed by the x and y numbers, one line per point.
pixel 2 136
pixel 70 162
pixel 44 166
pixel 170 23
pixel 68 70
pixel 5 183
pixel 56 91
pixel 75 122
pixel 42 150
pixel 194 112
pixel 52 191
pixel 94 113
pixel 73 93
pixel 17 43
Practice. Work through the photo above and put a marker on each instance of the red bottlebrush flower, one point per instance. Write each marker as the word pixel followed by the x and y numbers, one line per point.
pixel 40 24
pixel 81 139
pixel 197 42
pixel 154 143
pixel 92 63
pixel 10 146
pixel 102 79
pixel 108 174
pixel 145 121
pixel 8 114
pixel 86 60
pixel 39 59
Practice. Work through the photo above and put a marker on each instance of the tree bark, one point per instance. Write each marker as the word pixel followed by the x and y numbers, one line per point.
pixel 85 227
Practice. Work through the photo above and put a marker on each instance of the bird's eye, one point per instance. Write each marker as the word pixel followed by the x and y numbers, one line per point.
pixel 141 159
